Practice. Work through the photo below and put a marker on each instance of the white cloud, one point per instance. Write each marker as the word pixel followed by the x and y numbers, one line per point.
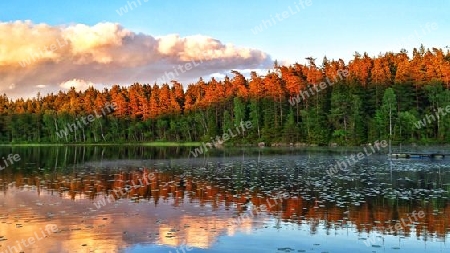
pixel 218 75
pixel 79 85
pixel 109 54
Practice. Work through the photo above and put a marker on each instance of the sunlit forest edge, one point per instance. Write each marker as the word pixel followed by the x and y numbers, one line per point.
pixel 352 111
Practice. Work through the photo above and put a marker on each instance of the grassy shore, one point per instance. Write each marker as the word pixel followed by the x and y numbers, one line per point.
pixel 149 144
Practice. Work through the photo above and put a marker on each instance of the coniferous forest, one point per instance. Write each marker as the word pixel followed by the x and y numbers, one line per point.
pixel 353 110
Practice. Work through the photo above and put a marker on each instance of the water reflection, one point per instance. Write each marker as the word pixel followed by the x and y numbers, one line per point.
pixel 104 204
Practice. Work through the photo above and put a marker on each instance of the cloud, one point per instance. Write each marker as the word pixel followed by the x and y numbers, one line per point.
pixel 41 57
pixel 79 85
pixel 245 72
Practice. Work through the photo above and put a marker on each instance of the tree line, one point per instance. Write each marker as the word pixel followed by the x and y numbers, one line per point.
pixel 376 93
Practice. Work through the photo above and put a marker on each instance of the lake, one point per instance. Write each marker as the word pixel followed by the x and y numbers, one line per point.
pixel 153 199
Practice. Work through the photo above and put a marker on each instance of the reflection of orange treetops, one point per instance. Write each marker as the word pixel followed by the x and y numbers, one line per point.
pixel 372 215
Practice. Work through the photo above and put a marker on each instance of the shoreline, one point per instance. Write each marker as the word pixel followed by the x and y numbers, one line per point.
pixel 231 145
pixel 149 144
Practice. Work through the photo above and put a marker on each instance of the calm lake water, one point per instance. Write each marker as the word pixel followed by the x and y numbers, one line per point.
pixel 146 199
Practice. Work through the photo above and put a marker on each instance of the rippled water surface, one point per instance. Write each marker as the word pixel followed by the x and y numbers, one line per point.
pixel 146 199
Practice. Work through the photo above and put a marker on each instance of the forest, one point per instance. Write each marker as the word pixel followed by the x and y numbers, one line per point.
pixel 392 90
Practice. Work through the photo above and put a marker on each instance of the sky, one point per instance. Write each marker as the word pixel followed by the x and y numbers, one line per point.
pixel 47 46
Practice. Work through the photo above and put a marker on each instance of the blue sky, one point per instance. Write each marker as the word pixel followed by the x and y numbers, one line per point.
pixel 326 27
pixel 103 51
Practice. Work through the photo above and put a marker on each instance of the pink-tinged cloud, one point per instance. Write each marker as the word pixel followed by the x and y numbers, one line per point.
pixel 43 58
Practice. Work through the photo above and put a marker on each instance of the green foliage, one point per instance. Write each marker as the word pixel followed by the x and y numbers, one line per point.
pixel 345 113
